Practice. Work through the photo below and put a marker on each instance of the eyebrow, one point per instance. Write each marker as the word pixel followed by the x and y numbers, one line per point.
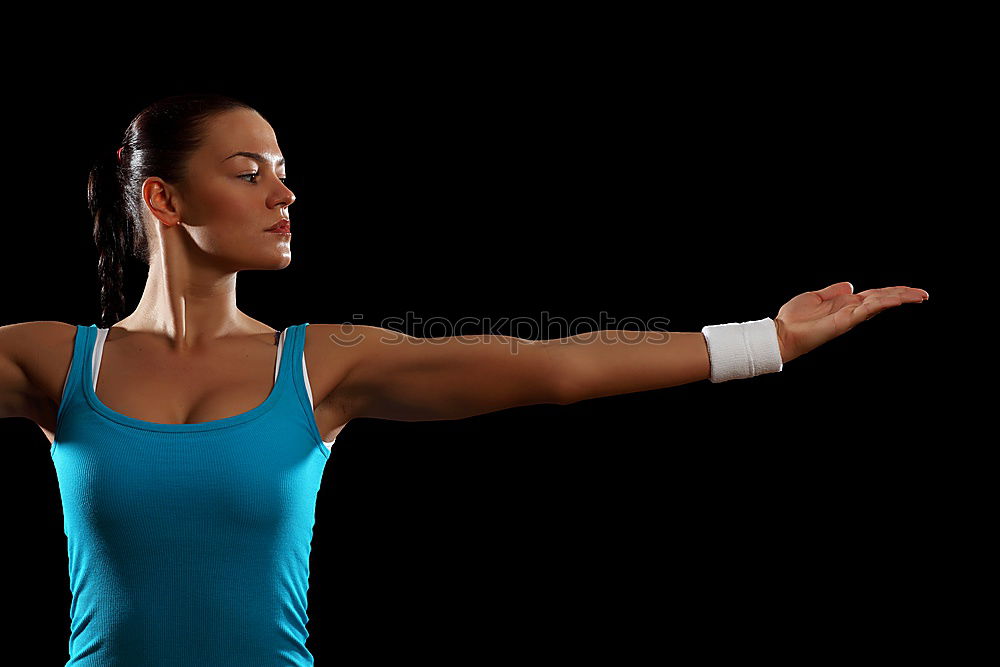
pixel 256 156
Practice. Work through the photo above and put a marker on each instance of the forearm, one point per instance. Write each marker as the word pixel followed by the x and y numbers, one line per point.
pixel 605 363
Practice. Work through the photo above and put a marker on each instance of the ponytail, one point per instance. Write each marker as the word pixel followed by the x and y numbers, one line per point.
pixel 111 232
pixel 158 142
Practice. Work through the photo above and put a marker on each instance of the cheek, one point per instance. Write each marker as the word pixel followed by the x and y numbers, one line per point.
pixel 224 205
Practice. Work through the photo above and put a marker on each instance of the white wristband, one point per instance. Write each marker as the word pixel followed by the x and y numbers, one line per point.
pixel 742 350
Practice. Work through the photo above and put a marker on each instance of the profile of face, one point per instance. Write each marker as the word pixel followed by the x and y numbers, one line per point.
pixel 234 190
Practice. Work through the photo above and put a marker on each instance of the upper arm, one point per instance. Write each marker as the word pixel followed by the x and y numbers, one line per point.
pixel 374 372
pixel 34 360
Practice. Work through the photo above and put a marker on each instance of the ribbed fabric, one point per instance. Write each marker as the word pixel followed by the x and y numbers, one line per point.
pixel 189 544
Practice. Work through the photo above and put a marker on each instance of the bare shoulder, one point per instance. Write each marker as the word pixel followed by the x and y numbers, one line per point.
pixel 333 350
pixel 347 344
pixel 332 344
pixel 25 341
pixel 34 360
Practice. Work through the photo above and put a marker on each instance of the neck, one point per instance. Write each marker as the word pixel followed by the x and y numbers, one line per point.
pixel 188 304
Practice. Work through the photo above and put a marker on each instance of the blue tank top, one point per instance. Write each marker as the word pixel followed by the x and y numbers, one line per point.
pixel 189 543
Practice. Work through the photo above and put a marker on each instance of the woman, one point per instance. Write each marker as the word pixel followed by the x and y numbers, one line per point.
pixel 182 548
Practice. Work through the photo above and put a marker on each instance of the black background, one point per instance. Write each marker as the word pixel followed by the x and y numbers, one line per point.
pixel 704 181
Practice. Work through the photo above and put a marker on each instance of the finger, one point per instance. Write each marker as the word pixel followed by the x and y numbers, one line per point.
pixel 849 317
pixel 874 305
pixel 908 294
pixel 834 290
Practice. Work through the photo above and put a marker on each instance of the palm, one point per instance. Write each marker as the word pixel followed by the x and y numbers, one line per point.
pixel 813 318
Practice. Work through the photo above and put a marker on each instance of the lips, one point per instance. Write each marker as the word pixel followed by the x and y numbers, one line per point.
pixel 282 225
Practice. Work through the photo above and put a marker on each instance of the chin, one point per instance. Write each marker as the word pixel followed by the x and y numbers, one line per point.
pixel 271 264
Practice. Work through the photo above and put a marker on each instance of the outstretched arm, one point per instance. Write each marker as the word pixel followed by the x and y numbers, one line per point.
pixel 390 375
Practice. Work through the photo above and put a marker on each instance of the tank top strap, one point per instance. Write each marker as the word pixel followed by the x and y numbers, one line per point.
pixel 295 371
pixel 292 352
pixel 83 345
pixel 290 392
pixel 282 341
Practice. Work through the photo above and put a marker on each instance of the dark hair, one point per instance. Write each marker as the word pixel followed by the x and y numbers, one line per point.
pixel 158 142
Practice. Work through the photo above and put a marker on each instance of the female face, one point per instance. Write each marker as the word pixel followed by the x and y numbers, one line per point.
pixel 233 191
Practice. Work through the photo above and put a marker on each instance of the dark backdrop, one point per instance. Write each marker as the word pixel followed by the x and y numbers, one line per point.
pixel 756 516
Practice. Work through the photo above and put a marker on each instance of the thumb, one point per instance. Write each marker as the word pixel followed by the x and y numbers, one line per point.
pixel 835 289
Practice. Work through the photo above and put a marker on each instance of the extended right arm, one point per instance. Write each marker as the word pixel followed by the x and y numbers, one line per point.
pixel 34 360
pixel 15 388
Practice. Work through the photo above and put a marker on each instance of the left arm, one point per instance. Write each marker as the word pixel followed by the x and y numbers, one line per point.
pixel 610 362
pixel 390 375
pixel 802 324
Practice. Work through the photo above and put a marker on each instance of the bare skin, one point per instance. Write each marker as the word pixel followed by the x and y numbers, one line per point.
pixel 187 354
pixel 400 377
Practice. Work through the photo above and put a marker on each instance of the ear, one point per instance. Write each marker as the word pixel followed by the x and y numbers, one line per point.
pixel 162 200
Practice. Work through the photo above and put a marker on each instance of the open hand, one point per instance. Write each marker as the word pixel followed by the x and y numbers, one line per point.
pixel 813 318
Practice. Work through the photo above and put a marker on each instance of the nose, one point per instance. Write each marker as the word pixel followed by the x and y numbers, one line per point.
pixel 284 196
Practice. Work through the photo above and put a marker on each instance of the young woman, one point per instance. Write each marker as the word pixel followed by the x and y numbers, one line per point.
pixel 182 548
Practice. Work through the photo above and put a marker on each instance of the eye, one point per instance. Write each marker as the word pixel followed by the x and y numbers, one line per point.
pixel 255 174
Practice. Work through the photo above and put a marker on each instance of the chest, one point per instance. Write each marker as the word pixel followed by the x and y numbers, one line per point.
pixel 160 390
pixel 135 378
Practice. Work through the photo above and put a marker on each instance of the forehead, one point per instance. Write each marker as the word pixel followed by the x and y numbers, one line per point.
pixel 239 130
